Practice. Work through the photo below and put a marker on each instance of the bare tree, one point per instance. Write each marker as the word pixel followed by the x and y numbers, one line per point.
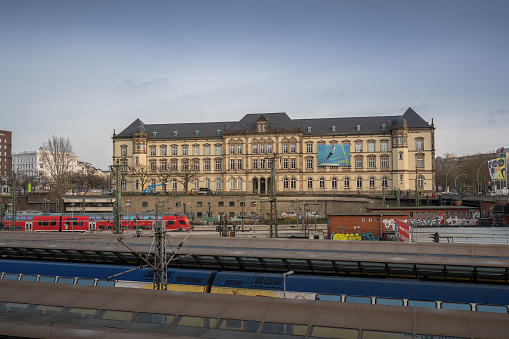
pixel 58 159
pixel 141 172
pixel 186 174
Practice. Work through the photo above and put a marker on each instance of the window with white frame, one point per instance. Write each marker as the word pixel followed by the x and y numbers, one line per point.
pixel 346 182
pixel 174 165
pixel 384 162
pixel 419 161
pixel 218 184
pixel 255 149
pixel 123 150
pixel 239 164
pixel 207 183
pixel 174 184
pixel 239 183
pixel 218 165
pixel 185 165
pixel 153 166
pixel 285 183
pixel 293 148
pixel 206 150
pixel 152 151
pixel 309 163
pixel 269 164
pixel 262 164
pixel 196 183
pixel 372 162
pixel 239 149
pixel 293 183
pixel 359 182
pixel 174 150
pixel 419 145
pixel 384 146
pixel 420 181
pixel 218 150
pixel 196 165
pixel 309 148
pixel 371 182
pixel 322 182
pixel 371 146
pixel 262 149
pixel 310 183
pixel 232 164
pixel 163 151
pixel 285 148
pixel 334 183
pixel 232 149
pixel 232 183
pixel 358 146
pixel 196 150
pixel 124 184
pixel 153 182
pixel 358 162
pixel 164 166
pixel 185 150
pixel 206 165
pixel 293 164
pixel 385 182
pixel 285 163
pixel 255 164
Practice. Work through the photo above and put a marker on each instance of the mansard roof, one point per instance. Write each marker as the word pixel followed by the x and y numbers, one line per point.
pixel 348 125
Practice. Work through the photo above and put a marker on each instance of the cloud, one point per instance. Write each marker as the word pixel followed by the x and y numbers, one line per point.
pixel 156 82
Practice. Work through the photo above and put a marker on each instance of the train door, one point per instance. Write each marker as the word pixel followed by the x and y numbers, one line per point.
pixel 91 226
pixel 28 226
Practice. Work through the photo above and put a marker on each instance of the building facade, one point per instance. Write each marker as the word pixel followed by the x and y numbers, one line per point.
pixel 5 154
pixel 387 154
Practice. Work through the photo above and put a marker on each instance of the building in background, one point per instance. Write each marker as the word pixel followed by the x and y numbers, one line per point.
pixel 361 155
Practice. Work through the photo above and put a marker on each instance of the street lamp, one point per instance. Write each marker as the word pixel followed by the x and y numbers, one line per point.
pixel 284 281
pixel 458 177
pixel 447 187
pixel 484 162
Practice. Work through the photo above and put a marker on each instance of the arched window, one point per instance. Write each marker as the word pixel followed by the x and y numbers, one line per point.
pixel 174 184
pixel 293 183
pixel 322 182
pixel 285 183
pixel 207 183
pixel 359 182
pixel 239 184
pixel 218 184
pixel 232 183
pixel 310 183
pixel 196 183
pixel 334 182
pixel 385 182
pixel 420 181
pixel 371 182
pixel 400 155
pixel 347 182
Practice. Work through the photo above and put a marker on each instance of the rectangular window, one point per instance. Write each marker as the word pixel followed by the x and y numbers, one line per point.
pixel 206 150
pixel 309 163
pixel 358 163
pixel 152 151
pixel 285 148
pixel 371 162
pixel 218 165
pixel 420 161
pixel 232 149
pixel 239 149
pixel 232 164
pixel 293 164
pixel 419 145
pixel 174 165
pixel 255 149
pixel 153 166
pixel 358 147
pixel 196 150
pixel 292 148
pixel 309 148
pixel 206 165
pixel 196 165
pixel 384 162
pixel 174 150
pixel 164 166
pixel 163 151
pixel 239 164
pixel 184 150
pixel 371 146
pixel 262 164
pixel 255 163
pixel 285 163
pixel 124 151
pixel 384 146
pixel 218 150
pixel 262 149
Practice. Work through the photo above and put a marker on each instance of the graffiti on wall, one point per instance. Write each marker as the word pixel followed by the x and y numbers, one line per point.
pixel 390 224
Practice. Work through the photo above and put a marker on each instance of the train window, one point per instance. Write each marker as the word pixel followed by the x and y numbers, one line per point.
pixel 491 308
pixel 291 329
pixel 233 283
pixel 29 277
pixel 114 315
pixel 358 300
pixel 389 301
pixel 329 297
pixel 12 307
pixel 171 222
pixel 11 276
pixel 105 283
pixel 78 312
pixel 182 222
pixel 455 306
pixel 153 318
pixel 53 223
pixel 85 281
pixel 238 325
pixel 386 335
pixel 333 332
pixel 43 309
pixel 65 280
pixel 422 303
pixel 44 278
pixel 188 280
pixel 183 320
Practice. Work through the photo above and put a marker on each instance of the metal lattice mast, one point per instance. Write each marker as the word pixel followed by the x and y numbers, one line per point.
pixel 160 263
pixel 273 198
pixel 13 198
pixel 117 207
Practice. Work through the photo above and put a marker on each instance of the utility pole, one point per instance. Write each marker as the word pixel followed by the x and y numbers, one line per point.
pixel 273 198
pixel 416 191
pixel 13 201
pixel 117 207
pixel 161 268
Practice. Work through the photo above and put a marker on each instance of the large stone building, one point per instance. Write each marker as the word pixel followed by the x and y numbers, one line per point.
pixel 235 156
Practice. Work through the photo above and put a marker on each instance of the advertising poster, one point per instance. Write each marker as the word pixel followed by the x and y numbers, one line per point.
pixel 497 168
pixel 334 155
pixel 403 232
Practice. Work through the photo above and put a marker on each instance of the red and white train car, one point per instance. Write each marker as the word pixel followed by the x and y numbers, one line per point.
pixel 55 222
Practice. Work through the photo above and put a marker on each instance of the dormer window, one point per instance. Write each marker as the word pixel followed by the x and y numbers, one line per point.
pixel 334 128
pixel 197 132
pixel 218 132
pixel 175 133
pixel 358 127
pixel 384 127
pixel 309 129
pixel 154 134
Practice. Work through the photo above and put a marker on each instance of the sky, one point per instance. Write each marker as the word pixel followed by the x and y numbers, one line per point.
pixel 84 69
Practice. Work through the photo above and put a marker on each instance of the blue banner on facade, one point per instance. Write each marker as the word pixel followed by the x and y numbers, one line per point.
pixel 334 155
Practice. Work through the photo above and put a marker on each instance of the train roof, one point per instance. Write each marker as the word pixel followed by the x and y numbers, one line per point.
pixel 210 312
pixel 474 262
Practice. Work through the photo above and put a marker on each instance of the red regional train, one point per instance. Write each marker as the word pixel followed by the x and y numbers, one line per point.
pixel 85 222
